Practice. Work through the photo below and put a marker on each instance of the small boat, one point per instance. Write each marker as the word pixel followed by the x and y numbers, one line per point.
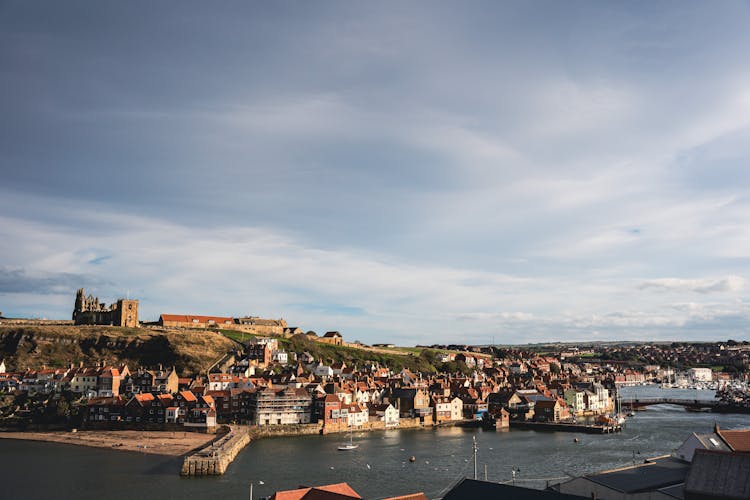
pixel 350 445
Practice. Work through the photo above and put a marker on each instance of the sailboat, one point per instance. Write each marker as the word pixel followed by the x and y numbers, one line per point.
pixel 350 445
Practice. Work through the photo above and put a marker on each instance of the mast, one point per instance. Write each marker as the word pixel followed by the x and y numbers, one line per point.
pixel 474 438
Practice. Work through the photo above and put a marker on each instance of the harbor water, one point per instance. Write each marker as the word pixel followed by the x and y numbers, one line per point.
pixel 379 467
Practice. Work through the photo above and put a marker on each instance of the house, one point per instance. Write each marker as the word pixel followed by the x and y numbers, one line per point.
pixel 280 357
pixel 472 489
pixel 322 371
pixel 328 410
pixel 442 406
pixel 411 402
pixel 220 381
pixel 457 409
pixel 108 383
pixel 386 413
pixel 575 400
pixel 340 491
pixel 270 406
pixel 711 441
pixel 359 415
pixel 204 418
pixel 550 410
pixel 85 381
pixel 260 354
pixel 716 474
pixel 333 338
pixel 105 409
pixel 652 479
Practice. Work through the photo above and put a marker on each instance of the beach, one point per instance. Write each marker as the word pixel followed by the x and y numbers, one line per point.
pixel 152 442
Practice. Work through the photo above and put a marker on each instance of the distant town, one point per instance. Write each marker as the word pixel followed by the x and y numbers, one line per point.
pixel 268 378
pixel 265 381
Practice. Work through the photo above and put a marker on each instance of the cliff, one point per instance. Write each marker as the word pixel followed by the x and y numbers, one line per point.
pixel 191 352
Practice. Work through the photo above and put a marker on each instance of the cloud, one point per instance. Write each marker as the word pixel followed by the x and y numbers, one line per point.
pixel 703 286
pixel 18 281
pixel 424 172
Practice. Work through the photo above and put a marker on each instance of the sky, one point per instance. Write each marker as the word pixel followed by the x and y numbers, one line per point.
pixel 409 172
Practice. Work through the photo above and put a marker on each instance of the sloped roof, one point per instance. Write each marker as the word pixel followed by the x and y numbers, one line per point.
pixel 738 440
pixel 719 474
pixel 339 491
pixel 655 474
pixel 471 489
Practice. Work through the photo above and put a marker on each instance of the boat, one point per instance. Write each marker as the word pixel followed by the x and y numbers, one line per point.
pixel 350 445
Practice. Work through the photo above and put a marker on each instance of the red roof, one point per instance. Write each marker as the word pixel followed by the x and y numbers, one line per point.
pixel 187 318
pixel 188 396
pixel 738 440
pixel 338 491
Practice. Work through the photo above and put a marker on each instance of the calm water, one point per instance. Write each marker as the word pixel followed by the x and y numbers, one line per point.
pixel 379 468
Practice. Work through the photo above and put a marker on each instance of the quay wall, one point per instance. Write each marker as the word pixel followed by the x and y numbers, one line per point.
pixel 375 425
pixel 214 459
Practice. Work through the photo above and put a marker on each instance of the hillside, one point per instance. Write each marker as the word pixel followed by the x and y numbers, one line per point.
pixel 191 352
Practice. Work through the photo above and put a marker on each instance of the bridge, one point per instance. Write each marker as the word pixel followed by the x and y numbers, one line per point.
pixel 689 404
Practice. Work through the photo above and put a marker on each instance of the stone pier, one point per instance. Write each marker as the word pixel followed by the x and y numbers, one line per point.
pixel 213 459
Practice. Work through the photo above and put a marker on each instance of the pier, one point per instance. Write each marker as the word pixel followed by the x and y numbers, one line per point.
pixel 214 458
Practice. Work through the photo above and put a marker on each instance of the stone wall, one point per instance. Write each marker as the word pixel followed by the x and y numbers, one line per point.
pixel 214 459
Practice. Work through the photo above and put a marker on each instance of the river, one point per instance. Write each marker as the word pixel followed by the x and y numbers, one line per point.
pixel 378 468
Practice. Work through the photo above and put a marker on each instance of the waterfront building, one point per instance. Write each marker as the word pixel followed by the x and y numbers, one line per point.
pixel 385 413
pixel 270 406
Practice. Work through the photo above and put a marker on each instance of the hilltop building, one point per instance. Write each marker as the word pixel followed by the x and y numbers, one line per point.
pixel 89 311
pixel 249 324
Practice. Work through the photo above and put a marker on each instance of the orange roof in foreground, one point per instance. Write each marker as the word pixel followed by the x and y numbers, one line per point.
pixel 411 496
pixel 338 491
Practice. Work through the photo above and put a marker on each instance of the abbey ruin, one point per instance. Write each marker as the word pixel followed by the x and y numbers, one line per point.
pixel 89 311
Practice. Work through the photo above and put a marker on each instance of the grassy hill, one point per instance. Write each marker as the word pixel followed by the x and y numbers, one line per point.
pixel 191 352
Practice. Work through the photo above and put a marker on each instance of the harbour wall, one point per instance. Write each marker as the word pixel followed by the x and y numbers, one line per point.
pixel 213 459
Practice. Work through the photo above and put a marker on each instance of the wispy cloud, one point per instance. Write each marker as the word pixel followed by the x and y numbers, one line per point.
pixel 728 284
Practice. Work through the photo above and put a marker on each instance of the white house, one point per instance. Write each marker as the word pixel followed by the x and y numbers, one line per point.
pixel 358 415
pixel 385 413
pixel 457 409
pixel 280 357
pixel 322 370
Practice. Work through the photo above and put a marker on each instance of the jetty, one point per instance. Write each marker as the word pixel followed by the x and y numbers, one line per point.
pixel 565 427
pixel 214 458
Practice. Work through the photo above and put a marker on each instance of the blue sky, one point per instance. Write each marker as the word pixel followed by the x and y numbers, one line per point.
pixel 414 172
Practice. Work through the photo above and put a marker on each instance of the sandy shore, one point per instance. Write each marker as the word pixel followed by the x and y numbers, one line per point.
pixel 156 442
